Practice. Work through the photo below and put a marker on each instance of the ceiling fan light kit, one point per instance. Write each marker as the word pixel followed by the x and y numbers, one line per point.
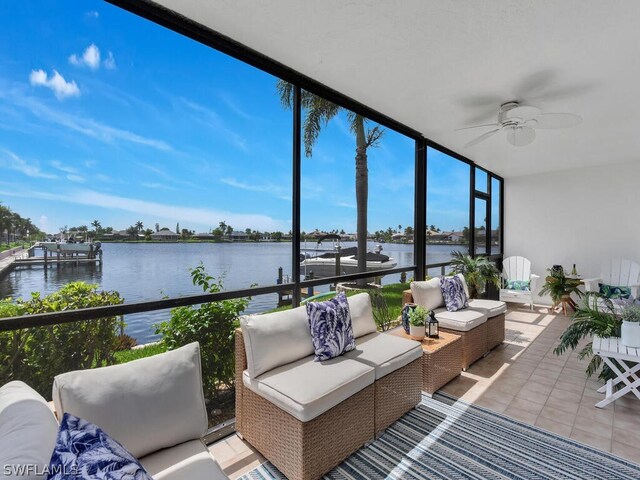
pixel 520 122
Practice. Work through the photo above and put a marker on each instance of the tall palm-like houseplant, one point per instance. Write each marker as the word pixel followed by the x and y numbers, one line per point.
pixel 317 113
pixel 557 286
pixel 478 272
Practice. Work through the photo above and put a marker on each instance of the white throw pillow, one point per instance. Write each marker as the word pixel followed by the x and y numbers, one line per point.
pixel 28 430
pixel 427 293
pixel 275 339
pixel 146 405
pixel 361 315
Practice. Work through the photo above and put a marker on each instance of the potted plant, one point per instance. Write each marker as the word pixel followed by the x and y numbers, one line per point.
pixel 478 272
pixel 417 322
pixel 595 315
pixel 560 288
pixel 630 330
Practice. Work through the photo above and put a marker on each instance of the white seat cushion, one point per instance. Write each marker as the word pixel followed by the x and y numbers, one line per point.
pixel 428 293
pixel 307 389
pixel 361 314
pixel 189 460
pixel 386 353
pixel 146 405
pixel 28 431
pixel 461 320
pixel 492 308
pixel 275 339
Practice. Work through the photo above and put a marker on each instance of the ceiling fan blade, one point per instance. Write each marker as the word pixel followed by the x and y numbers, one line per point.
pixel 525 112
pixel 476 126
pixel 520 136
pixel 555 120
pixel 481 138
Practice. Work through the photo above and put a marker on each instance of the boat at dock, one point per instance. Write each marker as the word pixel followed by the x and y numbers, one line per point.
pixel 324 264
pixel 70 247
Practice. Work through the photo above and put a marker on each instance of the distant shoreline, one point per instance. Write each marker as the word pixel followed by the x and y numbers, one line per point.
pixel 259 241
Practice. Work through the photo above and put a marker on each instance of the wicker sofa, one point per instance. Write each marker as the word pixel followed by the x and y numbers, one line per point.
pixel 481 325
pixel 153 406
pixel 306 416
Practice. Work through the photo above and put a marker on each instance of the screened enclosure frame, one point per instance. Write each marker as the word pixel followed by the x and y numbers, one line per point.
pixel 221 43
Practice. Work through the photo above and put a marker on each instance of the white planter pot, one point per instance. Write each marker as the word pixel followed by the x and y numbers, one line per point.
pixel 417 333
pixel 630 336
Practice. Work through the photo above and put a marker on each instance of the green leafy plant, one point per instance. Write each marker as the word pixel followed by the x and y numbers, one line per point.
pixel 557 285
pixel 212 325
pixel 418 316
pixel 631 313
pixel 36 355
pixel 478 272
pixel 381 312
pixel 595 315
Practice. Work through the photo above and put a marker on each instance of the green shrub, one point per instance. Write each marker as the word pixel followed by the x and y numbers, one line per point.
pixel 36 355
pixel 124 356
pixel 212 325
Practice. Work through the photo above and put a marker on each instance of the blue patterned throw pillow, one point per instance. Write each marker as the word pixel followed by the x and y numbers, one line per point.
pixel 85 451
pixel 331 327
pixel 453 293
pixel 613 292
pixel 520 285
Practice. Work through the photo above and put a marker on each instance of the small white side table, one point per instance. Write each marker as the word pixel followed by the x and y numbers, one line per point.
pixel 612 349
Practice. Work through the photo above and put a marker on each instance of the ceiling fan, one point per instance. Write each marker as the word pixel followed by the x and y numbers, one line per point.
pixel 520 122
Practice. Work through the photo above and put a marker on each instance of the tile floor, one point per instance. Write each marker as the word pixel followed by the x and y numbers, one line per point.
pixel 525 380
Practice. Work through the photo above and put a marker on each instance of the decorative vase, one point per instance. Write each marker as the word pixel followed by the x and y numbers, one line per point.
pixel 405 316
pixel 630 334
pixel 417 332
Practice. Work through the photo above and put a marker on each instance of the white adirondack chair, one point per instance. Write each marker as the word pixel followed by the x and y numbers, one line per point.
pixel 618 272
pixel 518 268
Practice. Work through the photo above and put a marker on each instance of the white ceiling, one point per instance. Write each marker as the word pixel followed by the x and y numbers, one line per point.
pixel 437 65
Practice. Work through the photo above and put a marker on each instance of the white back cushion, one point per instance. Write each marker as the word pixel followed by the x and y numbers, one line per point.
pixel 361 313
pixel 621 272
pixel 427 293
pixel 275 339
pixel 464 284
pixel 516 268
pixel 28 431
pixel 146 405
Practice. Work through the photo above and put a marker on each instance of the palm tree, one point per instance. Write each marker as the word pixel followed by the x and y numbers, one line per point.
pixel 96 225
pixel 139 226
pixel 318 112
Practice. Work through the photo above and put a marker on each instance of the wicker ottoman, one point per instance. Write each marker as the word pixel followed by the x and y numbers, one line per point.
pixel 441 359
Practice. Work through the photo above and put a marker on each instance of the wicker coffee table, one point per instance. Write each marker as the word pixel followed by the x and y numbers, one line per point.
pixel 441 359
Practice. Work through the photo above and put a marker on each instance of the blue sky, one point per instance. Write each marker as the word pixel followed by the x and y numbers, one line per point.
pixel 104 115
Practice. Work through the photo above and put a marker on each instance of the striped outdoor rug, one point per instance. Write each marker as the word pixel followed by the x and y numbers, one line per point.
pixel 445 438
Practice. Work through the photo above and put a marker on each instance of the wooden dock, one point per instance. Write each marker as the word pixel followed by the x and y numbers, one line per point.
pixel 28 258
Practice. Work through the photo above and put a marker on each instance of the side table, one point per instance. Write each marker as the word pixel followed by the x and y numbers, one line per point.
pixel 441 359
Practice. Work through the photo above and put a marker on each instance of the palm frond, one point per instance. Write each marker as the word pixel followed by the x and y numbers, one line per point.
pixel 373 136
pixel 318 112
pixel 285 91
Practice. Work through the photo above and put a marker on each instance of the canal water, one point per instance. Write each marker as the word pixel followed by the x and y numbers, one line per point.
pixel 151 271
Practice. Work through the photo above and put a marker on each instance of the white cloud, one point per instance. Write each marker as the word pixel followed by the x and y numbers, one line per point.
pixel 233 106
pixel 89 127
pixel 75 178
pixel 56 83
pixel 197 216
pixel 90 58
pixel 270 188
pixel 213 120
pixel 156 186
pixel 92 14
pixel 109 62
pixel 58 165
pixel 18 164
